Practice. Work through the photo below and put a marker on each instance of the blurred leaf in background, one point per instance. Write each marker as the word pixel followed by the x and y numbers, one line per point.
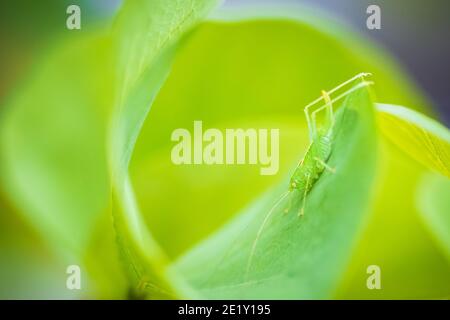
pixel 53 152
pixel 28 28
pixel 424 139
pixel 432 198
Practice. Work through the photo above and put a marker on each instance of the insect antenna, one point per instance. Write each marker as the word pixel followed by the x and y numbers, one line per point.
pixel 258 235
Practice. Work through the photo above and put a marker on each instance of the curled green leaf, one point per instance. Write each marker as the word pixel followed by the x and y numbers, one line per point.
pixel 296 257
pixel 422 138
pixel 146 34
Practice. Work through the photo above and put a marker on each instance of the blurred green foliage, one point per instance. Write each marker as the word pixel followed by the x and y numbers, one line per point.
pixel 67 136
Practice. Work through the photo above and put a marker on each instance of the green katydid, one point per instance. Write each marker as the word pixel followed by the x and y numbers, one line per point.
pixel 314 163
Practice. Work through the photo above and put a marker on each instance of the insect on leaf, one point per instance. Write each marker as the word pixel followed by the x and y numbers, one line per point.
pixel 296 257
pixel 422 138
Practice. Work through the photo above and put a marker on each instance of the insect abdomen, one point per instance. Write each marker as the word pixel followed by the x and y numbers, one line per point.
pixel 311 167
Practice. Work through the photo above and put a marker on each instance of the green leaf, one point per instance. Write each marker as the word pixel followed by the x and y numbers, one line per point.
pixel 260 74
pixel 296 258
pixel 422 138
pixel 146 35
pixel 433 201
pixel 255 74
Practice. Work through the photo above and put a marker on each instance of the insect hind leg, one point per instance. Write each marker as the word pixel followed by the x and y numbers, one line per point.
pixel 329 114
pixel 309 122
pixel 325 94
pixel 311 119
